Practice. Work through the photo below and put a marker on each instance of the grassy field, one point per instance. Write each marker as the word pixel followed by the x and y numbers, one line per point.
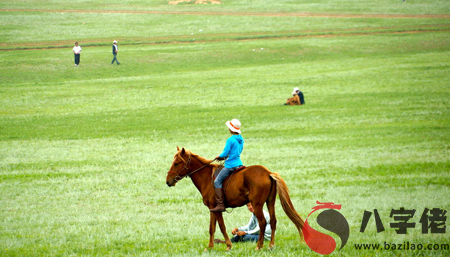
pixel 84 151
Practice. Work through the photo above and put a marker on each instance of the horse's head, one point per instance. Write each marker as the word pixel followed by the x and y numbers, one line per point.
pixel 179 168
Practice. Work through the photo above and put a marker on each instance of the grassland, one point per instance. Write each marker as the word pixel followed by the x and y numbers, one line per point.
pixel 84 151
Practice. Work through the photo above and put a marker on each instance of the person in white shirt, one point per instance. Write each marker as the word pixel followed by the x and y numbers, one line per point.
pixel 76 51
pixel 250 232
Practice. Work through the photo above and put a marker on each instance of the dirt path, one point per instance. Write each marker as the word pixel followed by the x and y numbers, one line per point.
pixel 324 15
pixel 206 38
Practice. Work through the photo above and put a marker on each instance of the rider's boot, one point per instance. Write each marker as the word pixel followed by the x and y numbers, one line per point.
pixel 219 200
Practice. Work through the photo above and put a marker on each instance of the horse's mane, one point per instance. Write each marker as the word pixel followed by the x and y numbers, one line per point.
pixel 197 157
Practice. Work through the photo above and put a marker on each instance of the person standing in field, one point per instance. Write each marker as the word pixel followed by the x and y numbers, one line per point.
pixel 76 52
pixel 232 154
pixel 115 49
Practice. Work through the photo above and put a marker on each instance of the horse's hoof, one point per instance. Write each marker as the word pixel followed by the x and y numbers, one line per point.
pixel 228 249
pixel 257 248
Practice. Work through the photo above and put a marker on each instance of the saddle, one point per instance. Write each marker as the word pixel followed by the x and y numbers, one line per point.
pixel 219 168
pixel 225 182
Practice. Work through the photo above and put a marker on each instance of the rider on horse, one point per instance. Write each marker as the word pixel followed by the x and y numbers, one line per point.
pixel 233 149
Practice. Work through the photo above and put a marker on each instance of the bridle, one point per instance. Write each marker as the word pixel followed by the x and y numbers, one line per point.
pixel 186 164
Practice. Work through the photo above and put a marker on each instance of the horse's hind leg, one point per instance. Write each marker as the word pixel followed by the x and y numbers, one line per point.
pixel 258 211
pixel 271 206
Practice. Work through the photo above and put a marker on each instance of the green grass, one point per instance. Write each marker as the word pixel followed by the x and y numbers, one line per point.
pixel 281 6
pixel 22 30
pixel 84 151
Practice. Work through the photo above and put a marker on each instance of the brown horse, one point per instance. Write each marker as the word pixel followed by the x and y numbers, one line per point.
pixel 254 184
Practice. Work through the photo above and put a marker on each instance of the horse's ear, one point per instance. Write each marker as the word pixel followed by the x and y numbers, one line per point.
pixel 183 151
pixel 178 149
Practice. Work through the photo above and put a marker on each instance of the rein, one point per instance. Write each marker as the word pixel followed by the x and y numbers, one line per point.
pixel 178 177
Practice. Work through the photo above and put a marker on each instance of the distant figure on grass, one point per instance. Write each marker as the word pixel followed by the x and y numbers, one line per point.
pixel 76 52
pixel 296 99
pixel 249 232
pixel 232 151
pixel 115 49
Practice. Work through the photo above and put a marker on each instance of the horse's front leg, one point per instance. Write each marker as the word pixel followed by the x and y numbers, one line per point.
pixel 212 230
pixel 223 229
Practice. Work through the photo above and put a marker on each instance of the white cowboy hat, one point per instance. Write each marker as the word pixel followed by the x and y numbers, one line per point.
pixel 115 41
pixel 234 125
pixel 296 89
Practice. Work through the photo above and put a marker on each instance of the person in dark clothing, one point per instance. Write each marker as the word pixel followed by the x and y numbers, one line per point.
pixel 115 49
pixel 300 95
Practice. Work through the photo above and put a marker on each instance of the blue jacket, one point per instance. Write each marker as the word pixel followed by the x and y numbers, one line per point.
pixel 233 149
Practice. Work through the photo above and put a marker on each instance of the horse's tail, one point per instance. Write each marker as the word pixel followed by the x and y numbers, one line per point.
pixel 286 203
